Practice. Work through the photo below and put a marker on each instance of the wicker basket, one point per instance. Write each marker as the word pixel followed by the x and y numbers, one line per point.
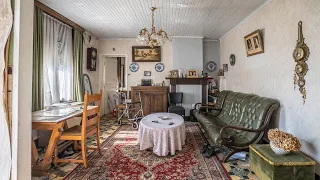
pixel 278 151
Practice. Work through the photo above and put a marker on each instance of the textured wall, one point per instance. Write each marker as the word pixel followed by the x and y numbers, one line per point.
pixel 94 75
pixel 211 52
pixel 271 73
pixel 124 47
pixel 188 54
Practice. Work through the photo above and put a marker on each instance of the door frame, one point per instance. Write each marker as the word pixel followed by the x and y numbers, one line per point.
pixel 101 75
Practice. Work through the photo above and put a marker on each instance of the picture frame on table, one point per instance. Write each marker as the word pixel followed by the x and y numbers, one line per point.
pixel 174 73
pixel 147 73
pixel 192 73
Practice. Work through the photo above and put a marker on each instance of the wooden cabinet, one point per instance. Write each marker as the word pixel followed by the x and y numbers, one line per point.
pixel 154 98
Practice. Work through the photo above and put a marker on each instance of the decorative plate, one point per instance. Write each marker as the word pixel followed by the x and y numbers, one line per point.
pixel 232 59
pixel 134 67
pixel 159 67
pixel 211 66
pixel 164 117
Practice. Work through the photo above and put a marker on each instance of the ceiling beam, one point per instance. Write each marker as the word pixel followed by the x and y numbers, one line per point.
pixel 58 16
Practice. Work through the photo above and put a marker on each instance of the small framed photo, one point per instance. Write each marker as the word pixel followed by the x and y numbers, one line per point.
pixel 221 72
pixel 254 43
pixel 225 67
pixel 147 73
pixel 174 73
pixel 192 74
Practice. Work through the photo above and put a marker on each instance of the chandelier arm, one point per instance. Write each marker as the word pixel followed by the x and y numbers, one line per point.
pixel 152 38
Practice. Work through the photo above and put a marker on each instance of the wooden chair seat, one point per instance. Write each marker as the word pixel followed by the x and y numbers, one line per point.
pixel 90 126
pixel 76 130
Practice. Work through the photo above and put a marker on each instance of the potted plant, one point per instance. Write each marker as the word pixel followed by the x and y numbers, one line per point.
pixel 282 143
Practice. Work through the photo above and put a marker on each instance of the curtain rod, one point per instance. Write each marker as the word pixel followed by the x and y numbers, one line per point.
pixel 58 16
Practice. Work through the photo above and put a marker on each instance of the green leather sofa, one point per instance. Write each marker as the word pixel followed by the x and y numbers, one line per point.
pixel 237 120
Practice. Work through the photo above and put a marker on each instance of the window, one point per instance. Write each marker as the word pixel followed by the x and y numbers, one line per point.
pixel 57 61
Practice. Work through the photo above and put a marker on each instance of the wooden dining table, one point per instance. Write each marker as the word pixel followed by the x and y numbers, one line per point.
pixel 55 120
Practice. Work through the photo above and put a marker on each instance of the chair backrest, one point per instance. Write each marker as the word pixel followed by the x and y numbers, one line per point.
pixel 175 98
pixel 91 114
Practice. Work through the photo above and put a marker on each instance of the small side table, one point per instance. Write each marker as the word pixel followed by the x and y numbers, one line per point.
pixel 267 165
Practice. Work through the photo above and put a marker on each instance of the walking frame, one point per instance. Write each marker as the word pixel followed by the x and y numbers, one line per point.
pixel 130 109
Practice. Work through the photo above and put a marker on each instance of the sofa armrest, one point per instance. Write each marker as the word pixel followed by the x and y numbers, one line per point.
pixel 228 139
pixel 201 105
pixel 222 131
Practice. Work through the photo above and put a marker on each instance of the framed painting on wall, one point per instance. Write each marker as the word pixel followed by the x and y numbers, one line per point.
pixel 254 43
pixel 146 54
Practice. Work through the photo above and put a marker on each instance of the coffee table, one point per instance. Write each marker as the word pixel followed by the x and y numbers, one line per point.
pixel 161 136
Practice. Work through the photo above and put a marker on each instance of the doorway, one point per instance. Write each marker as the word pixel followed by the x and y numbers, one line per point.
pixel 113 78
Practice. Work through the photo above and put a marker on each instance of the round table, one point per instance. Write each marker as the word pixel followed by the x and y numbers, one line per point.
pixel 161 136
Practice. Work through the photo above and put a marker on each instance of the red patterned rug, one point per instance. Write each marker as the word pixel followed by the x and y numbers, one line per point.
pixel 122 159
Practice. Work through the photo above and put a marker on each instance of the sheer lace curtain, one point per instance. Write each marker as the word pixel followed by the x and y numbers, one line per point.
pixel 57 61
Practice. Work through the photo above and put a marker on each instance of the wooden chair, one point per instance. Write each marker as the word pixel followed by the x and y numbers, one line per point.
pixel 89 127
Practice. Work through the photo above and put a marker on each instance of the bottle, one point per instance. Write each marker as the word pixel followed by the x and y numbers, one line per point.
pixel 201 73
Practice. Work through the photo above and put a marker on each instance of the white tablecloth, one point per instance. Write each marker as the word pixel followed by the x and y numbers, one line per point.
pixel 164 138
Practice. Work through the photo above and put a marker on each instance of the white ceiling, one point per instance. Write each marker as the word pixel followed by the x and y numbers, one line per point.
pixel 125 18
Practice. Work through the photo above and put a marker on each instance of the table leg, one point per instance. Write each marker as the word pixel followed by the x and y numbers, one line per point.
pixel 35 155
pixel 56 132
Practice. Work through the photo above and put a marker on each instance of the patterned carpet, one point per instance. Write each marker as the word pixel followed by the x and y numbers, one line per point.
pixel 122 159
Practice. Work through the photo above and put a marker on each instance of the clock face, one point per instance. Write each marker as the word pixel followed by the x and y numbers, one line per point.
pixel 94 53
pixel 299 68
pixel 298 54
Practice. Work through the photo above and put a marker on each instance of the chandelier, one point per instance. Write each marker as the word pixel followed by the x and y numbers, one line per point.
pixel 152 38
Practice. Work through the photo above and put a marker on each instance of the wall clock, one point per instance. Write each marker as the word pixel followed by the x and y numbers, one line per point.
pixel 159 67
pixel 300 55
pixel 211 66
pixel 92 59
pixel 232 59
pixel 134 67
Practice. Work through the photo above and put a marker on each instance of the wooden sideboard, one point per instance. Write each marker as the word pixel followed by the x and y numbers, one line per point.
pixel 154 98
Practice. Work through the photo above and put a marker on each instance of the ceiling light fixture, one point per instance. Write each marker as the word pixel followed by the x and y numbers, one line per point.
pixel 152 38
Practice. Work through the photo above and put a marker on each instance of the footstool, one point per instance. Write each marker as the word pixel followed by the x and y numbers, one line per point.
pixel 267 165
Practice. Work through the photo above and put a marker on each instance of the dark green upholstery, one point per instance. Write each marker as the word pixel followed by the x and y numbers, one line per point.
pixel 221 96
pixel 240 114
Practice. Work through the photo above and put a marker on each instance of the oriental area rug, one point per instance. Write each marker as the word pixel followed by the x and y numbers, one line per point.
pixel 122 159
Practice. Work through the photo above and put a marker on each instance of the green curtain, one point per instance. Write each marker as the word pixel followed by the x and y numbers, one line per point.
pixel 37 75
pixel 77 65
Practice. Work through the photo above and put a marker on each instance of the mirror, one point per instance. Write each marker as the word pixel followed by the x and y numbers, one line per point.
pixel 87 84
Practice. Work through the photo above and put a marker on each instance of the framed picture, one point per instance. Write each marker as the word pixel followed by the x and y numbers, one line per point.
pixel 192 74
pixel 254 43
pixel 221 72
pixel 147 73
pixel 146 54
pixel 174 73
pixel 225 67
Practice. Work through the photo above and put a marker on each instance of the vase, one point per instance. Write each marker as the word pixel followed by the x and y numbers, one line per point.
pixel 277 150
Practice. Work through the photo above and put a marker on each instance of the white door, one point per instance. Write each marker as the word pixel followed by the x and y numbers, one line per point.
pixel 110 80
